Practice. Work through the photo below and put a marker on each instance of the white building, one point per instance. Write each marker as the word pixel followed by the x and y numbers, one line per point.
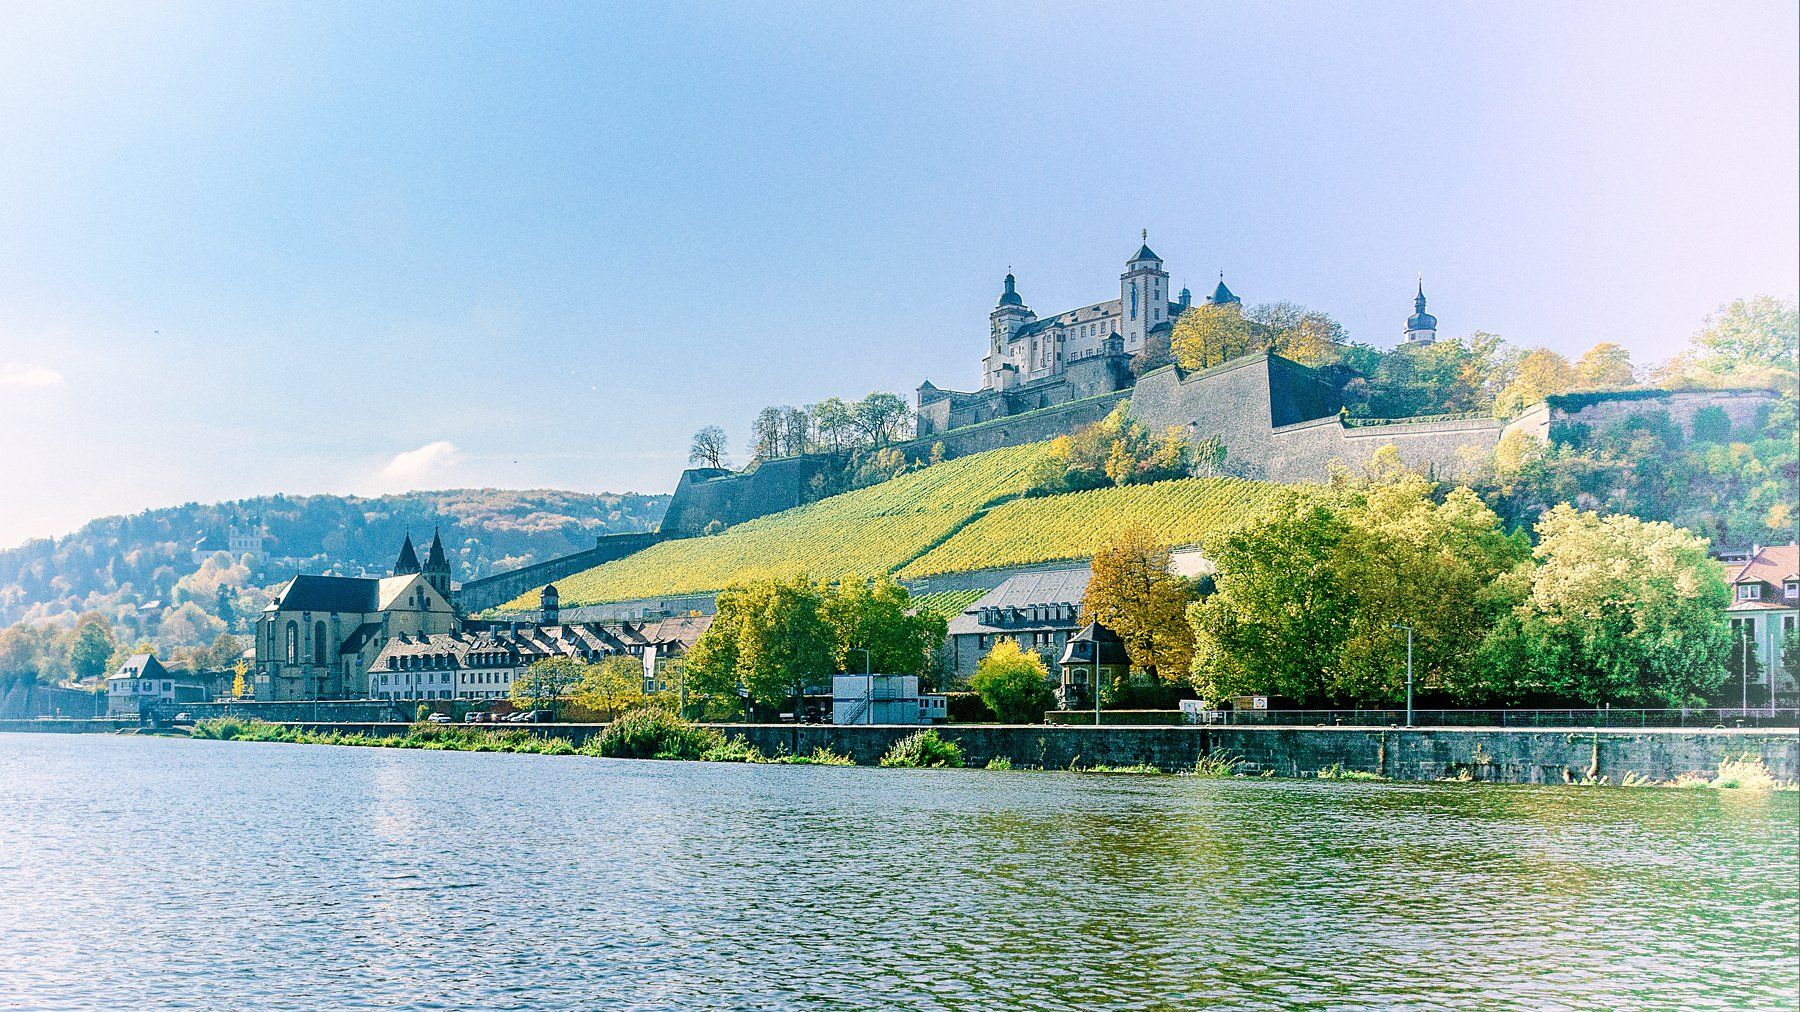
pixel 884 699
pixel 1765 613
pixel 143 680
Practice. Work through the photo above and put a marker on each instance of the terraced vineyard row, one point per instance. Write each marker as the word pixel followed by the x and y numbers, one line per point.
pixel 863 533
pixel 1073 526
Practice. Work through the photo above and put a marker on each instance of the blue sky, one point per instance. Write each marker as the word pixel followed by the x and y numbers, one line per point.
pixel 328 248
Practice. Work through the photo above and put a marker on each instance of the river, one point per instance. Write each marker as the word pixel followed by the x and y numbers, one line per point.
pixel 147 872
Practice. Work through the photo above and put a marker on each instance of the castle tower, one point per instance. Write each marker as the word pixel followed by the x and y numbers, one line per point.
pixel 1223 296
pixel 1143 296
pixel 1008 317
pixel 437 568
pixel 1421 327
pixel 408 562
pixel 549 604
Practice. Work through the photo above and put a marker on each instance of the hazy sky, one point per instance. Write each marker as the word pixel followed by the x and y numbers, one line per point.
pixel 258 248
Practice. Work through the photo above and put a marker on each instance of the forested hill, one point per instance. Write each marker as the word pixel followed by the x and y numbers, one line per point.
pixel 117 564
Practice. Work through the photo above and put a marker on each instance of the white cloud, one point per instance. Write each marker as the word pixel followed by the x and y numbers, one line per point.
pixel 20 374
pixel 418 468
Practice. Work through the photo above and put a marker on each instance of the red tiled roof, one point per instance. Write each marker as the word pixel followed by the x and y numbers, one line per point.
pixel 1771 565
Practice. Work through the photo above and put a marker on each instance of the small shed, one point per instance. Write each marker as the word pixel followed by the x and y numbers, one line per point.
pixel 1095 656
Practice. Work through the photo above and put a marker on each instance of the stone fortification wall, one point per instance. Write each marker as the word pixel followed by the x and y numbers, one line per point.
pixel 490 591
pixel 1600 409
pixel 1446 449
pixel 708 494
pixel 1488 754
pixel 1014 430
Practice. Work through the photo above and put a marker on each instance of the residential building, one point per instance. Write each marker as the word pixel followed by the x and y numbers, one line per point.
pixel 1764 613
pixel 143 681
pixel 1039 610
pixel 319 636
pixel 1095 656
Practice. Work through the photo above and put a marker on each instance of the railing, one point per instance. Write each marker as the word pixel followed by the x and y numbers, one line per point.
pixel 1613 717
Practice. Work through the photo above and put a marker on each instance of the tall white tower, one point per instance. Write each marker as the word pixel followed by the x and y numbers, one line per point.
pixel 1421 327
pixel 1143 296
pixel 1007 318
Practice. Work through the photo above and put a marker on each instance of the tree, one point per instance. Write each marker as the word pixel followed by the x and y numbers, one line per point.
pixel 1749 342
pixel 876 615
pixel 226 651
pixel 614 685
pixel 1454 375
pixel 880 418
pixel 1306 599
pixel 1133 593
pixel 1605 366
pixel 709 448
pixel 188 625
pixel 542 685
pixel 834 424
pixel 796 432
pixel 1617 610
pixel 1209 335
pixel 90 646
pixel 767 639
pixel 1013 682
pixel 1541 373
pixel 765 435
pixel 1303 335
pixel 240 680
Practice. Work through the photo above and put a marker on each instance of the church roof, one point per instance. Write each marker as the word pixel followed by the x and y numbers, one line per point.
pixel 1010 297
pixel 409 559
pixel 434 558
pixel 1222 295
pixel 1145 253
pixel 1420 319
pixel 327 593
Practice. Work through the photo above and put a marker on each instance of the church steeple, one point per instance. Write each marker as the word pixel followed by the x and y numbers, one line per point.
pixel 437 567
pixel 408 563
pixel 1421 327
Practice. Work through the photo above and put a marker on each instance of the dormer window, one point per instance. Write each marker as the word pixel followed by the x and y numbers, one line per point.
pixel 1749 591
pixel 1790 589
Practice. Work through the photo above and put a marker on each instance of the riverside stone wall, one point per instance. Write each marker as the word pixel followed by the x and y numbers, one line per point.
pixel 1535 756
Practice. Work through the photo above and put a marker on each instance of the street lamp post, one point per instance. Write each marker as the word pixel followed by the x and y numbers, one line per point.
pixel 1096 686
pixel 1409 673
pixel 1744 666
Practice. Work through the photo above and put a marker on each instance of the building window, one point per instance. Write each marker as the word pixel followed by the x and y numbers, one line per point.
pixel 1790 589
pixel 319 643
pixel 293 643
pixel 1749 591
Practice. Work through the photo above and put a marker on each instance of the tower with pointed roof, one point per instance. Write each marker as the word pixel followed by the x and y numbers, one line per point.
pixel 408 562
pixel 1143 296
pixel 1223 296
pixel 1010 316
pixel 1421 327
pixel 437 568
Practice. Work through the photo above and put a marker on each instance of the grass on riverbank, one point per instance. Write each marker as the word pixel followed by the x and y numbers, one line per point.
pixel 657 734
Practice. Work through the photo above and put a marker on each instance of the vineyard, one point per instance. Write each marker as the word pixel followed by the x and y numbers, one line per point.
pixel 867 532
pixel 1073 526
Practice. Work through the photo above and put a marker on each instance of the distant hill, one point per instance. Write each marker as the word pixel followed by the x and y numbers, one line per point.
pixel 120 564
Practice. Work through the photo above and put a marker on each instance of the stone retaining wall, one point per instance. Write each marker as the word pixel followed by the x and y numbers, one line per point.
pixel 1500 755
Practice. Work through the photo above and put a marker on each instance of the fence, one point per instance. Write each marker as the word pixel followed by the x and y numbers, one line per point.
pixel 1613 717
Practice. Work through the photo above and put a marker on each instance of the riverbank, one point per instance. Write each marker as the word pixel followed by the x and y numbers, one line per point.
pixel 1492 755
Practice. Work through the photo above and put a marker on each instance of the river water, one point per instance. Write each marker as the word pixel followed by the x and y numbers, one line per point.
pixel 143 872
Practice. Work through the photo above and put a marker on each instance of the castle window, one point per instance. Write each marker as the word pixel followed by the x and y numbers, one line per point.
pixel 319 643
pixel 293 643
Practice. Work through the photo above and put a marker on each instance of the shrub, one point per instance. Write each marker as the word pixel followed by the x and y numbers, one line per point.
pixel 733 750
pixel 1012 682
pixel 923 750
pixel 1216 764
pixel 1000 762
pixel 820 756
pixel 967 708
pixel 651 733
pixel 1337 771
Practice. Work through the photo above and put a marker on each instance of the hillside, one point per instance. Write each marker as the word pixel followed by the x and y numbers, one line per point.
pixel 960 515
pixel 116 564
pixel 866 532
pixel 1074 526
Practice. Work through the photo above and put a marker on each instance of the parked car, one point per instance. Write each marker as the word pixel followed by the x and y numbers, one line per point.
pixel 475 717
pixel 440 718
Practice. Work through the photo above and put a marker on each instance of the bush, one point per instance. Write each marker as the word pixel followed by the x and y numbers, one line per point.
pixel 967 708
pixel 1012 682
pixel 651 733
pixel 733 750
pixel 923 750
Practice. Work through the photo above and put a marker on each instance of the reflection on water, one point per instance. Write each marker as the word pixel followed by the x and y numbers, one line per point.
pixel 214 874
